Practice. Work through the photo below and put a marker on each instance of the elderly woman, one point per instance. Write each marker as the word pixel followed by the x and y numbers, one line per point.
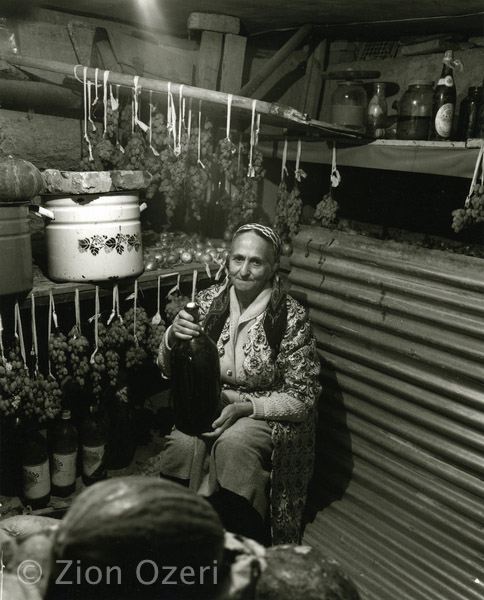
pixel 257 460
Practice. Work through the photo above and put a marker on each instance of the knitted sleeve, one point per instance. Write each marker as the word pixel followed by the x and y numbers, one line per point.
pixel 293 396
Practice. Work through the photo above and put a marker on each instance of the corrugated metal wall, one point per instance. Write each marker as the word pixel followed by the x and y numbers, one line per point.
pixel 398 491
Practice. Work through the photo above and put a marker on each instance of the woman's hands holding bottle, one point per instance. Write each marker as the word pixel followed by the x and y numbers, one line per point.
pixel 183 327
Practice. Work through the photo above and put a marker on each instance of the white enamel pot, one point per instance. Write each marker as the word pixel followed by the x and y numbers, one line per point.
pixel 94 237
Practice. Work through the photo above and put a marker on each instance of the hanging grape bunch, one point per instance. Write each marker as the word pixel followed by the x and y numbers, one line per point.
pixel 47 396
pixel 175 302
pixel 78 349
pixel 280 221
pixel 15 383
pixel 136 354
pixel 293 210
pixel 155 337
pixel 327 211
pixel 134 151
pixel 473 212
pixel 116 339
pixel 227 152
pixel 58 351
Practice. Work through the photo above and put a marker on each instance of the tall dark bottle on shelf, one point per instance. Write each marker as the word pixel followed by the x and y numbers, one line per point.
pixel 94 441
pixel 34 460
pixel 444 101
pixel 195 381
pixel 63 456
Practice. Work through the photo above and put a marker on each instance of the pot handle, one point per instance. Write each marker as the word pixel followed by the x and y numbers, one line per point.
pixel 40 211
pixel 143 206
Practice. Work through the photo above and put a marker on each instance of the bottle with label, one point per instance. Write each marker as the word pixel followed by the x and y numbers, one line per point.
pixel 63 456
pixel 377 111
pixel 469 114
pixel 34 461
pixel 415 111
pixel 195 381
pixel 94 440
pixel 444 100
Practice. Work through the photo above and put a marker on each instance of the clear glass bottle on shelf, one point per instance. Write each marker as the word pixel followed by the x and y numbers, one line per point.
pixel 377 111
pixel 63 456
pixel 34 461
pixel 415 111
pixel 94 441
pixel 349 104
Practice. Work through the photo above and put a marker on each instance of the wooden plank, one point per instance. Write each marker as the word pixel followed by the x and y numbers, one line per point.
pixel 213 22
pixel 105 52
pixel 232 63
pixel 209 60
pixel 313 81
pixel 164 62
pixel 82 38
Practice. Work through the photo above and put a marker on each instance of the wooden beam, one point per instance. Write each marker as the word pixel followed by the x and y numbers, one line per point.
pixel 313 81
pixel 210 55
pixel 292 44
pixel 213 22
pixel 232 63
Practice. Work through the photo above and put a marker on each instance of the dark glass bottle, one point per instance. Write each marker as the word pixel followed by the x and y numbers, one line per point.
pixel 34 461
pixel 443 103
pixel 122 435
pixel 63 456
pixel 11 442
pixel 94 440
pixel 469 114
pixel 195 381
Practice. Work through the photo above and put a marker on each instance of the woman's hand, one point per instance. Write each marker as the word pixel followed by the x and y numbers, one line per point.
pixel 183 327
pixel 230 413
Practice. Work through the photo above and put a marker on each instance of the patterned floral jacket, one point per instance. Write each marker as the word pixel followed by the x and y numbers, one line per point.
pixel 292 371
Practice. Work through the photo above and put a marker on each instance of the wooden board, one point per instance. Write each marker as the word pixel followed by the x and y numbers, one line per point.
pixel 232 63
pixel 213 22
pixel 313 81
pixel 159 61
pixel 209 60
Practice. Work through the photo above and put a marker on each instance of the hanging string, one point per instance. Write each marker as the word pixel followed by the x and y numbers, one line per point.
pixel 96 325
pixel 35 346
pixel 96 73
pixel 251 169
pixel 189 126
pixel 176 287
pixel 93 125
pixel 284 171
pixel 77 307
pixel 113 310
pixel 335 177
pixel 75 73
pixel 199 142
pixel 86 136
pixel 136 94
pixel 299 173
pixel 105 101
pixel 480 159
pixel 150 137
pixel 239 156
pixel 2 352
pixel 19 334
pixel 229 112
pixel 116 100
pixel 49 329
pixel 257 129
pixel 194 284
pixel 177 148
pixel 134 312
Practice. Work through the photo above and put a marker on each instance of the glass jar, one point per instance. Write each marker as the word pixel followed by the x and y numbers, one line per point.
pixel 348 105
pixel 415 111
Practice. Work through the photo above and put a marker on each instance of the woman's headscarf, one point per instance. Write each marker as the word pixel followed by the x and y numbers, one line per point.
pixel 267 233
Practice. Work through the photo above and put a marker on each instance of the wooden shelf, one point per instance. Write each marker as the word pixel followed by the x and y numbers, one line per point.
pixel 455 159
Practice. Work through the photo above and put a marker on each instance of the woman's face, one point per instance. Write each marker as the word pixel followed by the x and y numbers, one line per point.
pixel 251 265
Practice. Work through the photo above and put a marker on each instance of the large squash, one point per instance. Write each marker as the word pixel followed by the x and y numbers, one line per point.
pixel 20 180
pixel 124 521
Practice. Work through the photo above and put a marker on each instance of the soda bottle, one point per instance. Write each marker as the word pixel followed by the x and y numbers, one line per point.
pixel 63 460
pixel 34 460
pixel 195 381
pixel 444 100
pixel 94 439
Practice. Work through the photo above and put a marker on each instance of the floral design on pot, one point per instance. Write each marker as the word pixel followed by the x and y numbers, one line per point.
pixel 119 243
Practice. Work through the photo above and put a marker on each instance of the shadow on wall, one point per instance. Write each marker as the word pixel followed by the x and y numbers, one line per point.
pixel 334 459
